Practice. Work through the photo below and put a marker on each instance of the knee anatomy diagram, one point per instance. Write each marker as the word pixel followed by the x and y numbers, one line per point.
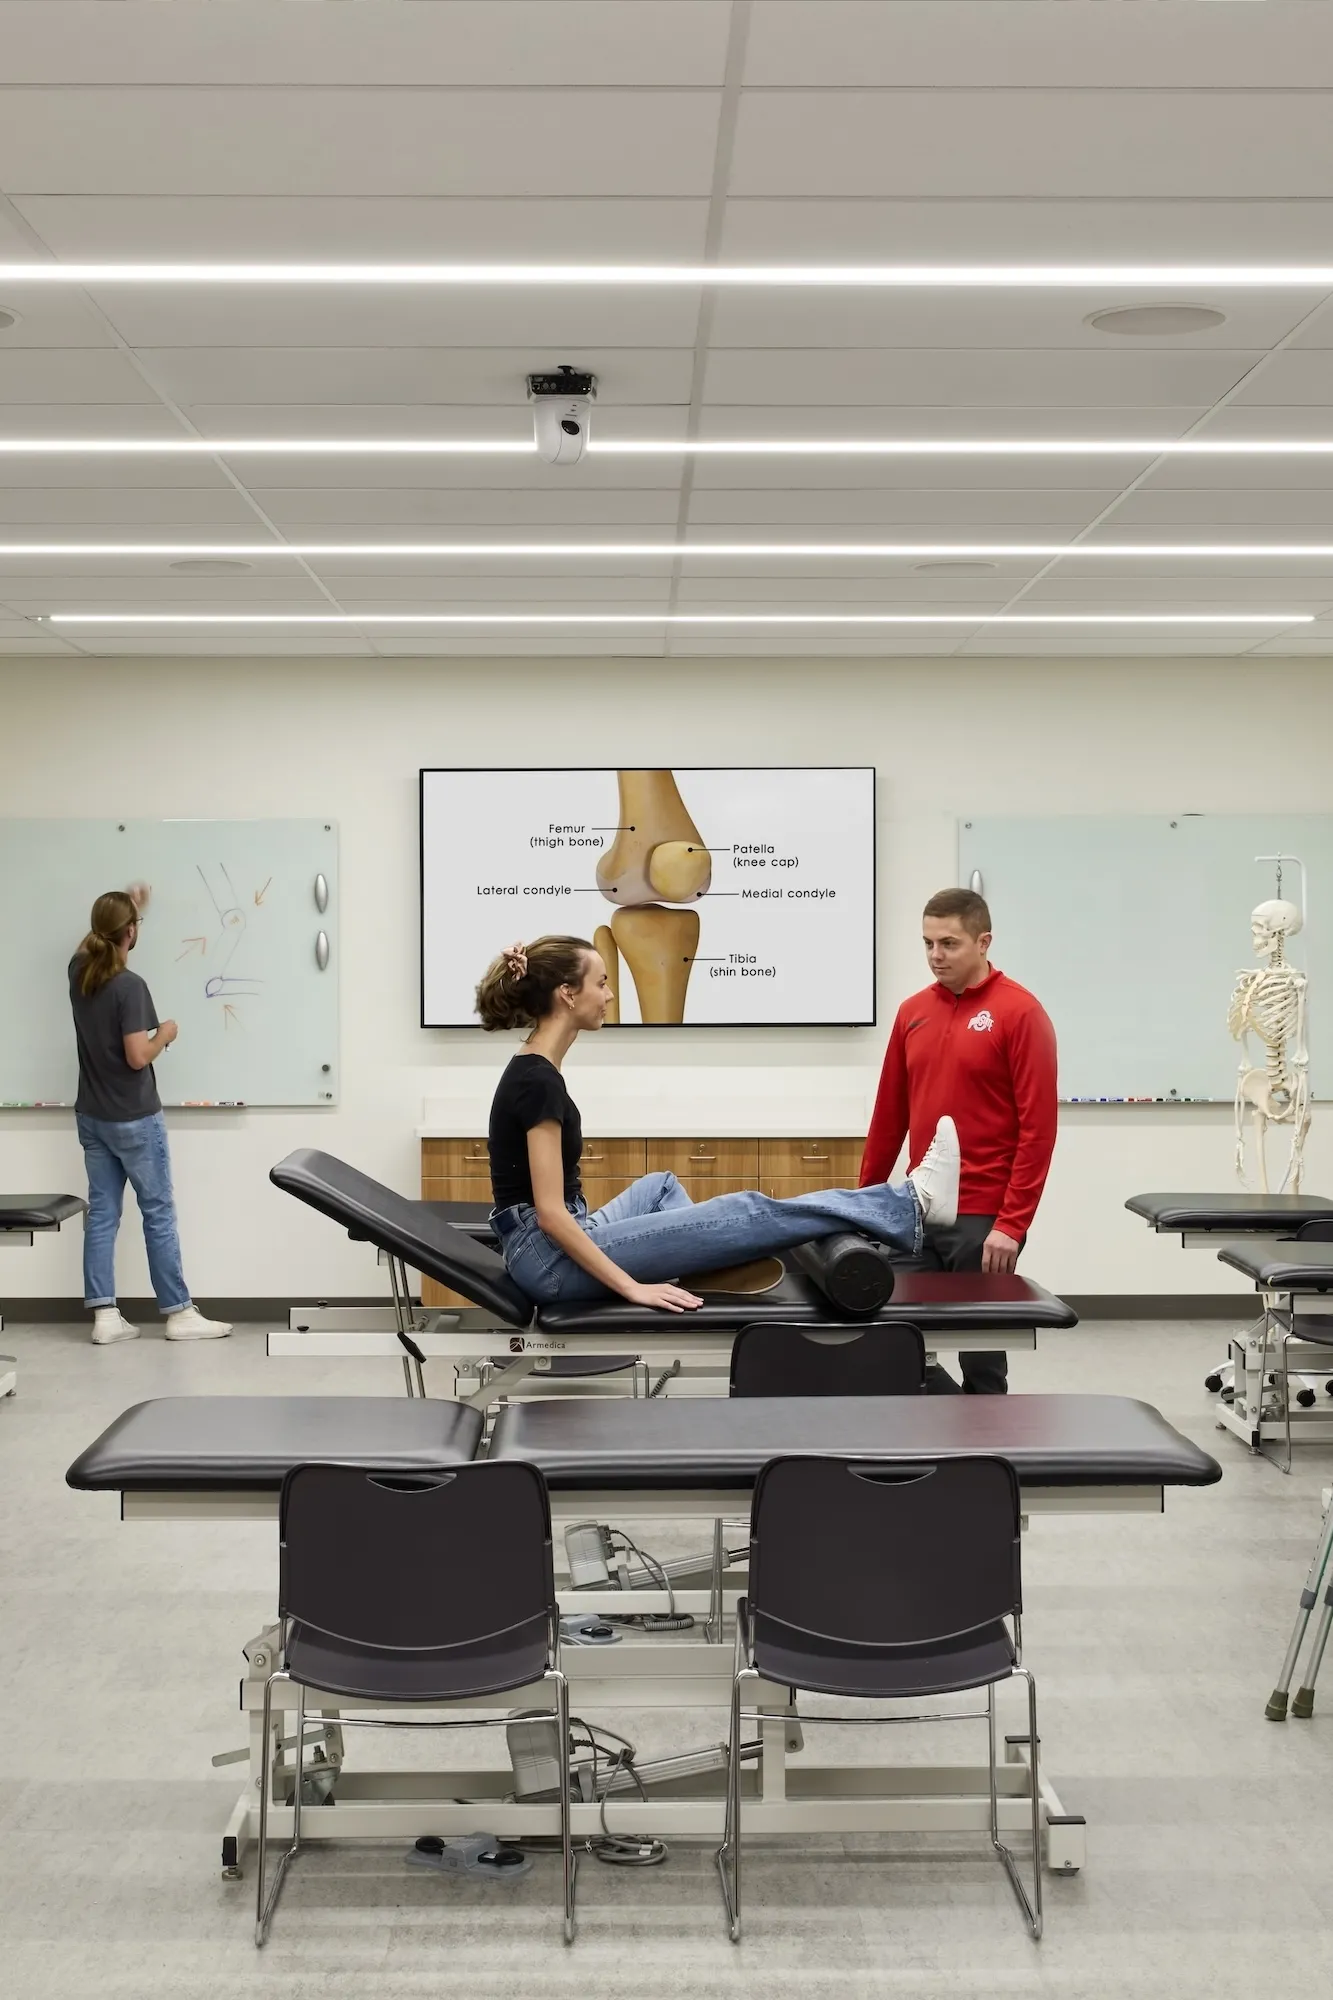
pixel 717 895
pixel 658 859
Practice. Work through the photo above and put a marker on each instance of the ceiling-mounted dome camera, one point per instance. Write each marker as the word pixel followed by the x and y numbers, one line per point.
pixel 561 408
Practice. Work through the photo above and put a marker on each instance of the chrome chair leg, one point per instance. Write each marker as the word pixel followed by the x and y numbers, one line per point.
pixel 713 1623
pixel 264 1908
pixel 729 1854
pixel 1030 1906
pixel 568 1857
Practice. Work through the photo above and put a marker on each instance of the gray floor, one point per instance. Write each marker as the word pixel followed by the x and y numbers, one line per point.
pixel 1155 1642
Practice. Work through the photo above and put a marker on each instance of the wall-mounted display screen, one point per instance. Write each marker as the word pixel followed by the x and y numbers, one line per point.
pixel 718 898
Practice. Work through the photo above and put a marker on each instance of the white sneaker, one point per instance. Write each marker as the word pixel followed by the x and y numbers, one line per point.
pixel 109 1324
pixel 190 1324
pixel 936 1179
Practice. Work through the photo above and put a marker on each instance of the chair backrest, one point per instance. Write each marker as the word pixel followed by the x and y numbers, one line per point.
pixel 423 1563
pixel 899 1553
pixel 1320 1230
pixel 412 1230
pixel 793 1360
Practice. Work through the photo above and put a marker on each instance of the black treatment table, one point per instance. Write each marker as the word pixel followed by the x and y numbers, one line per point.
pixel 952 1309
pixel 23 1216
pixel 1071 1453
pixel 228 1455
pixel 1202 1218
pixel 1246 1232
pixel 223 1458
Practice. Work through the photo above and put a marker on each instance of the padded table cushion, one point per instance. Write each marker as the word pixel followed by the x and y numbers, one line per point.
pixel 38 1211
pixel 716 1441
pixel 223 1442
pixel 1169 1213
pixel 1282 1267
pixel 932 1300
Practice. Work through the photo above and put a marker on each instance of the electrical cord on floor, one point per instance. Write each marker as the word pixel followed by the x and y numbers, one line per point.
pixel 622 1850
pixel 656 1621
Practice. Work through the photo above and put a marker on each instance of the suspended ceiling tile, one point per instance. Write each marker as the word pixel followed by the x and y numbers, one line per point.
pixel 452 42
pixel 130 140
pixel 950 142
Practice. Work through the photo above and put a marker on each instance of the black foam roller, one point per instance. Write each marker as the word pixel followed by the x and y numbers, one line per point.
pixel 854 1273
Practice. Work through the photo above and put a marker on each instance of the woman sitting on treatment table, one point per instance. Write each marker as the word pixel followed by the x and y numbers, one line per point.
pixel 639 1245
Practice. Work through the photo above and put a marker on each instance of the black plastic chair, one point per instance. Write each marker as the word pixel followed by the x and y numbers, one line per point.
pixel 883 1581
pixel 389 1592
pixel 792 1360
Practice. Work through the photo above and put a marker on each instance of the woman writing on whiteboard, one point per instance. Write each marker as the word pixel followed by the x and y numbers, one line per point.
pixel 640 1244
pixel 121 1127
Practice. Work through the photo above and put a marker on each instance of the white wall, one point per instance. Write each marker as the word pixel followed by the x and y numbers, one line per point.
pixel 344 738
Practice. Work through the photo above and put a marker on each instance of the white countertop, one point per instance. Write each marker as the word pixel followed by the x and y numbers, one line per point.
pixel 671 1102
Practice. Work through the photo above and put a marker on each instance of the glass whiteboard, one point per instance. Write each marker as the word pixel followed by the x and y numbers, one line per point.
pixel 1131 930
pixel 228 948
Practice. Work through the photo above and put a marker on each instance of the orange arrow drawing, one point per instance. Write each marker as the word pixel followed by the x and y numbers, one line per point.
pixel 229 1013
pixel 261 893
pixel 189 943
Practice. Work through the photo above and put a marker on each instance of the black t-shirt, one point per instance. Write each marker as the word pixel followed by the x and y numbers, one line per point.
pixel 108 1087
pixel 531 1092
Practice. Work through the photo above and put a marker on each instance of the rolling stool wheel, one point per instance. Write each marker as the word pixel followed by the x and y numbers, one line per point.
pixel 1305 1397
pixel 1212 1383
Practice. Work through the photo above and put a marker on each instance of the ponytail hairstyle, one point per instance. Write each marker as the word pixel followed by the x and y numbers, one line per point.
pixel 111 918
pixel 519 987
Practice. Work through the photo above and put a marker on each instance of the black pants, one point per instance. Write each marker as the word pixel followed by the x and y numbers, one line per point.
pixel 959 1249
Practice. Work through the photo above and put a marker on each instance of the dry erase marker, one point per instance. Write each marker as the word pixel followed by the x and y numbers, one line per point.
pixel 49 1104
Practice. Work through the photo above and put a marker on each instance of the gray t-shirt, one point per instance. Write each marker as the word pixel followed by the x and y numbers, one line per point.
pixel 108 1087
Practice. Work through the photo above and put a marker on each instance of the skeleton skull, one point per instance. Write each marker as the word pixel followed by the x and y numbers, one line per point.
pixel 1271 923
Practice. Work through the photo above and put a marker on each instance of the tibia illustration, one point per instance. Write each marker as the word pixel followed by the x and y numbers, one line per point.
pixel 604 943
pixel 658 855
pixel 659 947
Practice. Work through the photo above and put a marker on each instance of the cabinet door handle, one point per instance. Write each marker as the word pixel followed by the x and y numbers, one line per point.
pixel 476 1159
pixel 702 1156
pixel 594 1156
pixel 815 1156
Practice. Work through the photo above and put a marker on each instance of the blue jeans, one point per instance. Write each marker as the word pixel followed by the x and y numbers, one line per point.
pixel 656 1233
pixel 133 1151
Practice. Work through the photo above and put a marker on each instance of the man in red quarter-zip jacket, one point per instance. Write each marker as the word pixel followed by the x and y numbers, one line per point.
pixel 978 1047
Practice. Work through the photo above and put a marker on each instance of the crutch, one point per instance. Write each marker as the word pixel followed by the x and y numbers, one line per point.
pixel 1303 1705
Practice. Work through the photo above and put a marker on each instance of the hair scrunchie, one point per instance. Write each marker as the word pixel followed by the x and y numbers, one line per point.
pixel 516 958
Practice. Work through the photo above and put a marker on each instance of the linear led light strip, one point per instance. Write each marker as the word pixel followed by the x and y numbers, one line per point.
pixel 674 618
pixel 947 551
pixel 395 447
pixel 890 276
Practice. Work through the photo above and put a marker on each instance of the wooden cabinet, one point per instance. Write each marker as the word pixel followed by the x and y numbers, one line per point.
pixel 459 1170
pixel 711 1159
pixel 699 1187
pixel 598 1192
pixel 441 1158
pixel 604 1159
pixel 832 1162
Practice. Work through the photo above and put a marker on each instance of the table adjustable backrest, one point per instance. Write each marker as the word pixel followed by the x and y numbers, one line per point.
pixel 456 1561
pixel 412 1230
pixel 900 1553
pixel 794 1360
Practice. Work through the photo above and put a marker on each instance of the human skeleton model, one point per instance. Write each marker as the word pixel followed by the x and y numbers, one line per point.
pixel 657 858
pixel 1268 1003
